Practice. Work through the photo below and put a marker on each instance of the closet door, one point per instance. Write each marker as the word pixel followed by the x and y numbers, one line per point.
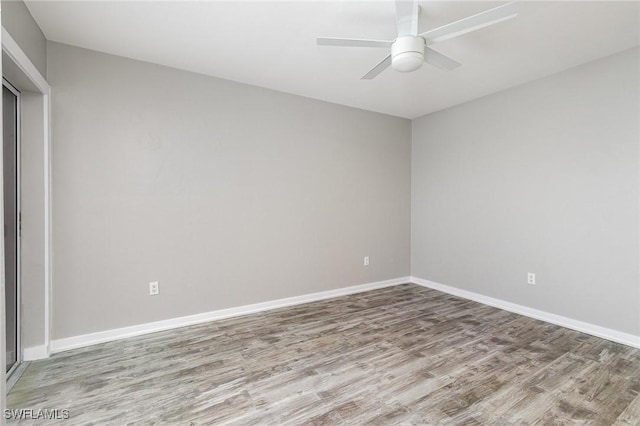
pixel 10 132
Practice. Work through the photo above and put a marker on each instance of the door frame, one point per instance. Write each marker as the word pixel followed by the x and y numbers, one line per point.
pixel 27 69
pixel 16 92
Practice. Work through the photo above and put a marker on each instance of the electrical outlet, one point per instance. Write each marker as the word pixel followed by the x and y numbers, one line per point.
pixel 154 288
pixel 366 261
pixel 531 278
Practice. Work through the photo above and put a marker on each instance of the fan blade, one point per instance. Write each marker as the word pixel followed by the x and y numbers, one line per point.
pixel 377 69
pixel 407 17
pixel 352 42
pixel 439 60
pixel 472 23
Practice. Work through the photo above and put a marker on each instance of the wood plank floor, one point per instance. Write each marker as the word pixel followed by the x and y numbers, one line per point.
pixel 399 355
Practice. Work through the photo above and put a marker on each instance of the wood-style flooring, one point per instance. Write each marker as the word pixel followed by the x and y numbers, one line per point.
pixel 399 355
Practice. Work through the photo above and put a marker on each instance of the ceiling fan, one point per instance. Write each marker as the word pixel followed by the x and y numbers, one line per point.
pixel 410 50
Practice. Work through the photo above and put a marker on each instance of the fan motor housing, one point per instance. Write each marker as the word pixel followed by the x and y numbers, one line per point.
pixel 407 53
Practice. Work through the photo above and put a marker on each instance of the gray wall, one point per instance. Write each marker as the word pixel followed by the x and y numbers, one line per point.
pixel 226 194
pixel 541 178
pixel 32 207
pixel 17 20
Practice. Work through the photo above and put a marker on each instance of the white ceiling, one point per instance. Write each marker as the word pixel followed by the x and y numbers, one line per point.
pixel 272 44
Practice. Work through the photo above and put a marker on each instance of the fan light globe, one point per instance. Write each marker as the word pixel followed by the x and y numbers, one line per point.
pixel 407 53
pixel 407 62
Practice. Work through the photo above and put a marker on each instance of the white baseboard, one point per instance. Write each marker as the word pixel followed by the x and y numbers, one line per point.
pixel 59 345
pixel 584 327
pixel 74 342
pixel 34 353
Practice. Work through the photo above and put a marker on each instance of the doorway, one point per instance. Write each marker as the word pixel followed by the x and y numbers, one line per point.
pixel 11 168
